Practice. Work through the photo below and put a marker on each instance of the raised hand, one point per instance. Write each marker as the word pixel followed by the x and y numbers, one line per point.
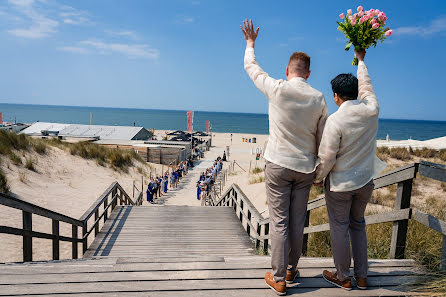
pixel 249 33
pixel 360 54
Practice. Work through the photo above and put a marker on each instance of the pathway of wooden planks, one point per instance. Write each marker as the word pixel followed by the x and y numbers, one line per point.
pixel 183 251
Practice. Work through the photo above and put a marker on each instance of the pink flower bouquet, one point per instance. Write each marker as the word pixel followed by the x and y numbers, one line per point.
pixel 363 29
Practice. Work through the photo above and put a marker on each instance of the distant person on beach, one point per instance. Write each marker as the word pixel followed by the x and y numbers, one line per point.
pixel 348 164
pixel 297 115
pixel 149 192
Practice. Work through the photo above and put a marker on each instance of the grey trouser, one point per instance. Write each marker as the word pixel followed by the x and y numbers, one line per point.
pixel 287 192
pixel 346 215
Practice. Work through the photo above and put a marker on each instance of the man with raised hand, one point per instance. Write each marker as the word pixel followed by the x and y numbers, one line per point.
pixel 297 114
pixel 348 156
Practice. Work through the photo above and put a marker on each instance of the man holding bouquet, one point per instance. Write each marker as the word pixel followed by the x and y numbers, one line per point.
pixel 297 114
pixel 348 156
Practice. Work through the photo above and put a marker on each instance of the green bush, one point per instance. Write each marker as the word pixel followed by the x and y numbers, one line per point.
pixel 39 146
pixel 16 160
pixel 257 170
pixel 29 164
pixel 4 186
pixel 400 153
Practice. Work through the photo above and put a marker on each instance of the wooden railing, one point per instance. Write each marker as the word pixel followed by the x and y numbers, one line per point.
pixel 258 227
pixel 100 209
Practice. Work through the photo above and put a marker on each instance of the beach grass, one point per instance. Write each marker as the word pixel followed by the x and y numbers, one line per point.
pixel 4 185
pixel 256 179
pixel 29 164
pixel 257 170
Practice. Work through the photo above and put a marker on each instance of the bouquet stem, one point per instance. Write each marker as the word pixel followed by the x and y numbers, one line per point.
pixel 355 61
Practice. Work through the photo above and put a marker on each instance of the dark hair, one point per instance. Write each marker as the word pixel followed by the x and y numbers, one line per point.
pixel 346 86
pixel 300 56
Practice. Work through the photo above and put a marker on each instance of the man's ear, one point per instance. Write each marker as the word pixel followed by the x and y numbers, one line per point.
pixel 308 74
pixel 287 71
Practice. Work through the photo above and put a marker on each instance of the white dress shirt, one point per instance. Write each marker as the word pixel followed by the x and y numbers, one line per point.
pixel 348 146
pixel 297 115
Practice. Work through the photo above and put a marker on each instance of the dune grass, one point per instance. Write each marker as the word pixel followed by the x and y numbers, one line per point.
pixel 4 186
pixel 257 170
pixel 404 154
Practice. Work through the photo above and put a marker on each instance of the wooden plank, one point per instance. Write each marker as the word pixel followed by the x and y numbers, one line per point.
pixel 399 229
pixel 184 285
pixel 32 208
pixel 173 275
pixel 433 170
pixel 396 176
pixel 429 221
pixel 316 203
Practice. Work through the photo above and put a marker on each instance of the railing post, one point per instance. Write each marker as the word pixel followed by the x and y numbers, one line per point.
pixel 74 253
pixel 248 227
pixel 105 211
pixel 114 201
pixel 258 235
pixel 241 212
pixel 56 240
pixel 27 238
pixel 96 227
pixel 399 230
pixel 265 242
pixel 305 240
pixel 84 239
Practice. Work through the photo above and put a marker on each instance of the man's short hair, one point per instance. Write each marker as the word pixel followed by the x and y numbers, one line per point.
pixel 346 86
pixel 299 63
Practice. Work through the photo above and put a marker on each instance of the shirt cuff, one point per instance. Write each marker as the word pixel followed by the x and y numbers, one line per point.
pixel 361 63
pixel 249 49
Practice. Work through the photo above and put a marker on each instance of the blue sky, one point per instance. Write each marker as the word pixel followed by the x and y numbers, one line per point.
pixel 188 55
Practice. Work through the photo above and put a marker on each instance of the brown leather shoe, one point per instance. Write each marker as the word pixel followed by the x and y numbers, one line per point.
pixel 361 282
pixel 291 276
pixel 278 287
pixel 332 278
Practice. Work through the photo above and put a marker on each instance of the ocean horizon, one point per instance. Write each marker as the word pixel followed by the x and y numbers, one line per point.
pixel 222 122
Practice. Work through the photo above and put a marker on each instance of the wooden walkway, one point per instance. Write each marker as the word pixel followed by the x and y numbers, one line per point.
pixel 182 251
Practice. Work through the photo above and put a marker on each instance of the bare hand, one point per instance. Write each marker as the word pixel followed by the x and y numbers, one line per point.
pixel 249 33
pixel 360 55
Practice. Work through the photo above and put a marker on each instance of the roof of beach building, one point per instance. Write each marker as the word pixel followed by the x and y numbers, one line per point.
pixel 96 131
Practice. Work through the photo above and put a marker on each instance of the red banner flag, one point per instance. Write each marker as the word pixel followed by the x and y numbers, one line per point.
pixel 1 118
pixel 207 127
pixel 190 121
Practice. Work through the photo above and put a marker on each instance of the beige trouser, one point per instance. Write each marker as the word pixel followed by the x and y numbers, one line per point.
pixel 287 192
pixel 346 215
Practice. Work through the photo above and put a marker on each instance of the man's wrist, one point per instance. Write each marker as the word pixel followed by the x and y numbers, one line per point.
pixel 250 43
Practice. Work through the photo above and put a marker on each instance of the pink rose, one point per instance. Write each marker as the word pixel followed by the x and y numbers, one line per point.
pixel 375 26
pixel 373 21
pixel 361 13
pixel 360 8
pixel 372 11
pixel 388 33
pixel 342 15
pixel 355 15
pixel 366 17
pixel 361 20
pixel 349 12
pixel 353 22
pixel 381 17
pixel 377 12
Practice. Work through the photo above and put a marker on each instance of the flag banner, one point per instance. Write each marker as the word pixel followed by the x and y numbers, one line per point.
pixel 207 127
pixel 1 118
pixel 190 121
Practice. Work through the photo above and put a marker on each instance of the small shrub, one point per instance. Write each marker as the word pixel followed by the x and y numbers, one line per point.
pixel 22 177
pixel 442 155
pixel 39 147
pixel 257 170
pixel 443 186
pixel 29 164
pixel 16 160
pixel 12 141
pixel 383 153
pixel 4 186
pixel 424 153
pixel 400 153
pixel 141 170
pixel 256 179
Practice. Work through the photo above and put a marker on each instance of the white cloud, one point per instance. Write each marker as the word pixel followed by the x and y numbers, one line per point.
pixel 184 20
pixel 436 26
pixel 129 50
pixel 40 26
pixel 128 34
pixel 73 16
pixel 73 49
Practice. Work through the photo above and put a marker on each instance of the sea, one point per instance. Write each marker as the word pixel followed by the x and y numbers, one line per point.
pixel 226 122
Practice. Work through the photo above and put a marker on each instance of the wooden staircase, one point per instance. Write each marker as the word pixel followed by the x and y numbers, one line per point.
pixel 182 251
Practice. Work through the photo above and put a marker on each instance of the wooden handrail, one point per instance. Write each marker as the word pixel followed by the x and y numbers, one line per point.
pixel 258 227
pixel 29 209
